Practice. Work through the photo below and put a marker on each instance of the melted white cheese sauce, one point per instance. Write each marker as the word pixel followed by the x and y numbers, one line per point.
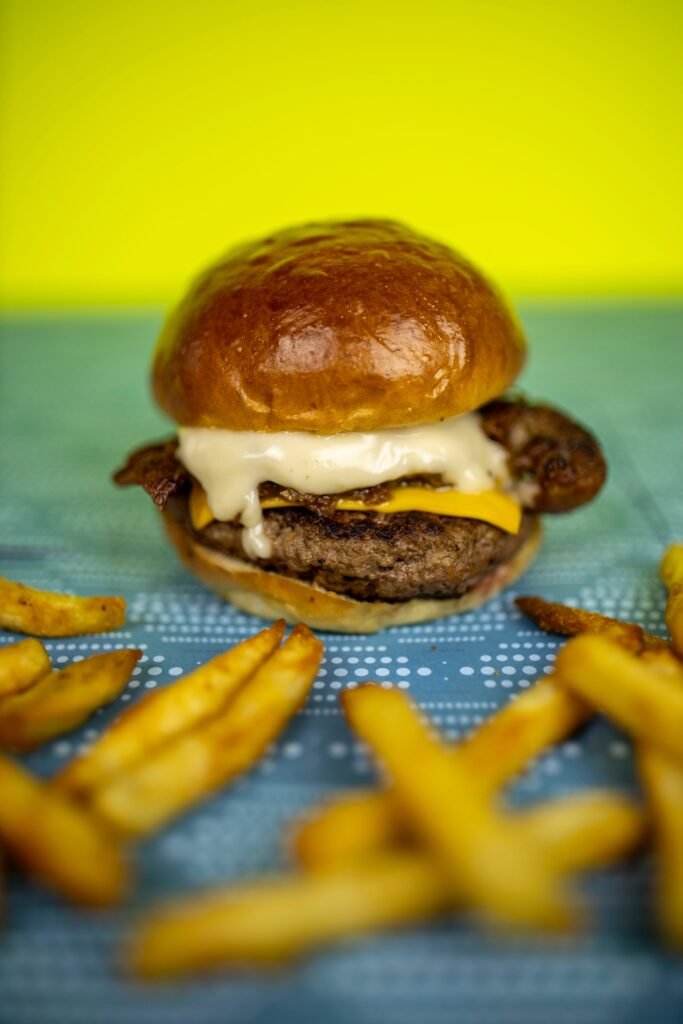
pixel 230 465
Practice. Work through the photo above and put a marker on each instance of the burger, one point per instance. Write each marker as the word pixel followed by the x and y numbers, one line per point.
pixel 346 455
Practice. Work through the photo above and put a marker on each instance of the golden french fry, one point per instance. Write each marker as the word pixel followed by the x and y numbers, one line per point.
pixel 504 744
pixel 274 919
pixel 63 700
pixel 664 660
pixel 498 870
pixel 639 697
pixel 198 762
pixel 58 842
pixel 43 613
pixel 355 825
pixel 671 566
pixel 21 665
pixel 347 827
pixel 585 830
pixel 168 712
pixel 553 617
pixel 663 781
pixel 671 569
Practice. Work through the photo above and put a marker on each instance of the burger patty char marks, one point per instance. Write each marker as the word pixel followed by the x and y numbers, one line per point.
pixel 370 556
pixel 556 462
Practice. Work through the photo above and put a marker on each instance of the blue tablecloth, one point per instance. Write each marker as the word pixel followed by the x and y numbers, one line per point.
pixel 73 401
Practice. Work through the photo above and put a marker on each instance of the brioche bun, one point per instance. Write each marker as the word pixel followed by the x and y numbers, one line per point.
pixel 336 327
pixel 273 596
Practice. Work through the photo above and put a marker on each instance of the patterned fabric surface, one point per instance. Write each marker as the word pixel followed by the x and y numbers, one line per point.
pixel 73 401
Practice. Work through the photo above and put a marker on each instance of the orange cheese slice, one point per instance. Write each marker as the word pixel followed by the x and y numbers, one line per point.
pixel 489 506
pixel 200 513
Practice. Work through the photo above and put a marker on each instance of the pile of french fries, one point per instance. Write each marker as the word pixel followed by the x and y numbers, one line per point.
pixel 53 839
pixel 437 838
pixel 38 703
pixel 180 744
pixel 171 750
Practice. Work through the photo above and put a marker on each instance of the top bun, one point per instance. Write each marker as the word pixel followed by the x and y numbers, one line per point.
pixel 332 327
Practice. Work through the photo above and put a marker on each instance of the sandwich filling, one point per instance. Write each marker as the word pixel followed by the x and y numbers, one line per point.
pixel 441 519
pixel 230 466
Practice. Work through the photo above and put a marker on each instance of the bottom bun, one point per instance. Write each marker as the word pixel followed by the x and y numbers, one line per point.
pixel 272 596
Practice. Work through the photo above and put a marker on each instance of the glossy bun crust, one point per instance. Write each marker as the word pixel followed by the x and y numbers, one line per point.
pixel 272 596
pixel 334 327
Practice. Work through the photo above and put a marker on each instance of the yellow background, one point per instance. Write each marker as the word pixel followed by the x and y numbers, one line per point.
pixel 141 139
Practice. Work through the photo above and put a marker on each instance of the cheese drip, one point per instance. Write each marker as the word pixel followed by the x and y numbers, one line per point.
pixel 230 465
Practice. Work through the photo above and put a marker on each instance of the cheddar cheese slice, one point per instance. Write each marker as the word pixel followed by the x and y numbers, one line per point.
pixel 488 506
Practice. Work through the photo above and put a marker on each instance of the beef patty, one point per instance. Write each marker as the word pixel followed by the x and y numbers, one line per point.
pixel 370 556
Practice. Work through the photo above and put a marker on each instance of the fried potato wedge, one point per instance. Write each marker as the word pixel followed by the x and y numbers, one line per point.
pixel 63 700
pixel 498 870
pixel 639 697
pixel 165 713
pixel 671 569
pixel 43 613
pixel 58 842
pixel 553 617
pixel 663 782
pixel 276 919
pixel 357 824
pixel 21 665
pixel 196 763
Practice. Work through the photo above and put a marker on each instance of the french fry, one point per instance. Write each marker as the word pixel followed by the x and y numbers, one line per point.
pixel 58 842
pixel 585 830
pixel 664 660
pixel 500 871
pixel 276 919
pixel 21 665
pixel 567 621
pixel 166 713
pixel 671 569
pixel 507 741
pixel 196 763
pixel 671 566
pixel 639 697
pixel 355 825
pixel 43 613
pixel 63 700
pixel 663 781
pixel 347 827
